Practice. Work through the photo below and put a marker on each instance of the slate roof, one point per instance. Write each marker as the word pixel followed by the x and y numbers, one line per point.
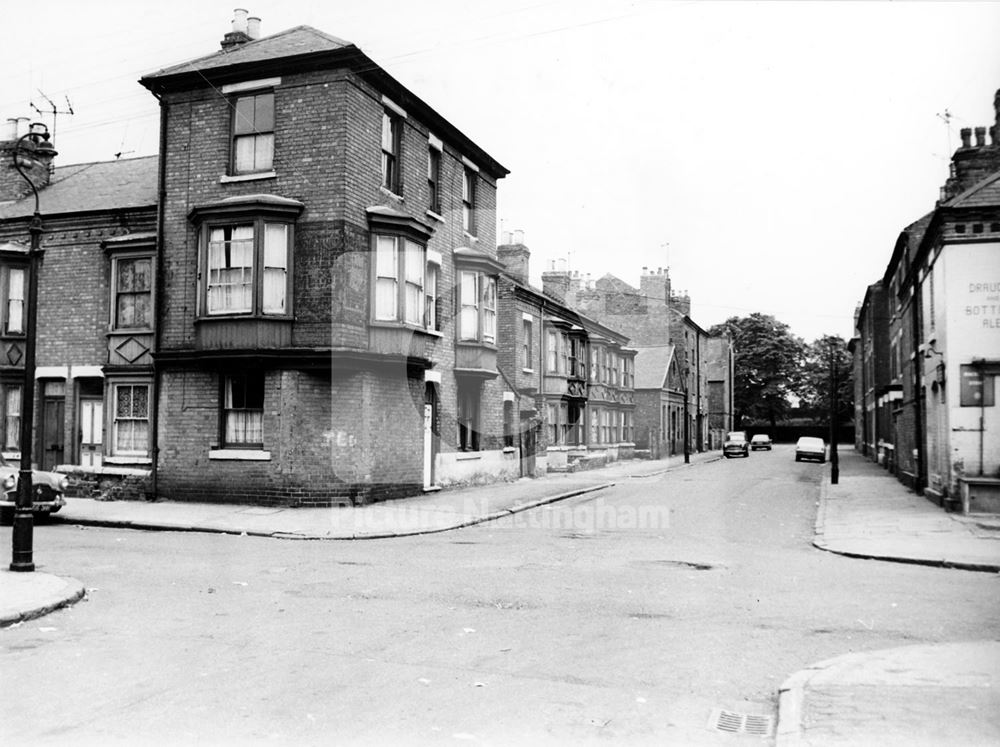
pixel 983 194
pixel 651 365
pixel 291 42
pixel 87 187
pixel 301 48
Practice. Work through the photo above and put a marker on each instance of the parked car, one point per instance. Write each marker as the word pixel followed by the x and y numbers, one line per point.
pixel 736 445
pixel 810 447
pixel 47 490
pixel 760 441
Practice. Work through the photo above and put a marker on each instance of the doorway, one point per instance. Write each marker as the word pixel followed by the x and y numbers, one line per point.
pixel 431 444
pixel 53 424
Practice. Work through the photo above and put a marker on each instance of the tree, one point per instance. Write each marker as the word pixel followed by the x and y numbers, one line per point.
pixel 768 363
pixel 815 383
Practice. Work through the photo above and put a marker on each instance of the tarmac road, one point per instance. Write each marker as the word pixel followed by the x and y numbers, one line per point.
pixel 622 616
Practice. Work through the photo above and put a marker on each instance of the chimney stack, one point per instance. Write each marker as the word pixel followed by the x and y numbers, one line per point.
pixel 971 164
pixel 12 186
pixel 240 33
pixel 514 255
pixel 655 285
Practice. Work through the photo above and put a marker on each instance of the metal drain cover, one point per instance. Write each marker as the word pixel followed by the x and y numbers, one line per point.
pixel 734 722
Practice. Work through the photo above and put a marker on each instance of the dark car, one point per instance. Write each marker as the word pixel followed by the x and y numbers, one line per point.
pixel 736 445
pixel 46 494
pixel 760 441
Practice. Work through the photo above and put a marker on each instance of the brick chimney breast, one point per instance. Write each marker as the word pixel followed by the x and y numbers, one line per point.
pixel 515 257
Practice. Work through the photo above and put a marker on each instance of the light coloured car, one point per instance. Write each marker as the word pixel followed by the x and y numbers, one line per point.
pixel 760 441
pixel 46 494
pixel 810 447
pixel 736 445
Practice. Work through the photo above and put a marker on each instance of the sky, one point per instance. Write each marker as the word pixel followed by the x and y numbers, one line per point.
pixel 769 154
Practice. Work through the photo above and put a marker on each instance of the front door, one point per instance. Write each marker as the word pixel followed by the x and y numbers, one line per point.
pixel 53 424
pixel 430 438
pixel 91 432
pixel 528 434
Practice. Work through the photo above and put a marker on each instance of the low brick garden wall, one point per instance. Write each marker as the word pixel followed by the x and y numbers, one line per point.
pixel 107 483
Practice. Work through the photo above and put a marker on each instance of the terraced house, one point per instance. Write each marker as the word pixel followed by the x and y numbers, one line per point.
pixel 327 281
pixel 574 377
pixel 95 323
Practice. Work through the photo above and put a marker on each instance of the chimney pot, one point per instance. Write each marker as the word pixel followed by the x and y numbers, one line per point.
pixel 966 135
pixel 240 20
pixel 518 236
pixel 980 137
pixel 253 27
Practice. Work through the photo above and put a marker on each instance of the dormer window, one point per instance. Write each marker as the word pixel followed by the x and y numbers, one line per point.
pixel 253 133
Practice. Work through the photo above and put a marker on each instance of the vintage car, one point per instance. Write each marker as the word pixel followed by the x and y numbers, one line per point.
pixel 736 445
pixel 810 447
pixel 760 441
pixel 47 490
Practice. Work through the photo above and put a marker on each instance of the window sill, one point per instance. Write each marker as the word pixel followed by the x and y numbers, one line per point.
pixel 244 317
pixel 240 455
pixel 478 344
pixel 470 236
pixel 527 370
pixel 127 460
pixel 229 179
pixel 436 216
pixel 391 194
pixel 386 324
pixel 509 449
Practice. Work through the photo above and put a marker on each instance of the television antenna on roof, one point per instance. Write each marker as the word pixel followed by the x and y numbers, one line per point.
pixel 54 111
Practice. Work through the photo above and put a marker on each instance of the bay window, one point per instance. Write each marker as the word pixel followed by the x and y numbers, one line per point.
pixel 133 292
pixel 246 260
pixel 130 424
pixel 234 253
pixel 477 305
pixel 405 283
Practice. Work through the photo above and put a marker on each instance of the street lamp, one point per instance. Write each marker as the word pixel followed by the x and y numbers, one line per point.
pixel 30 149
pixel 834 460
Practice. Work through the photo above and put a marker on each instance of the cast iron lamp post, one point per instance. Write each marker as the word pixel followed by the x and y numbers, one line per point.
pixel 31 147
pixel 834 460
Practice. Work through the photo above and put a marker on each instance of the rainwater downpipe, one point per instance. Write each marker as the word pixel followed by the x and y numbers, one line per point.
pixel 161 193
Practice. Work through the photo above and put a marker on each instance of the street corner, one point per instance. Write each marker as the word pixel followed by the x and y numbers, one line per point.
pixel 968 671
pixel 26 596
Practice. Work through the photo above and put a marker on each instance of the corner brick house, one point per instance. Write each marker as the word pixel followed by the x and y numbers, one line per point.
pixel 94 369
pixel 574 377
pixel 328 279
pixel 934 322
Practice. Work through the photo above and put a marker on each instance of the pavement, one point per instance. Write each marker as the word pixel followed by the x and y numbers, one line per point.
pixel 947 693
pixel 944 693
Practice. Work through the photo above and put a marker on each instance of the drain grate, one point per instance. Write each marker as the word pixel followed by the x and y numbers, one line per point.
pixel 733 722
